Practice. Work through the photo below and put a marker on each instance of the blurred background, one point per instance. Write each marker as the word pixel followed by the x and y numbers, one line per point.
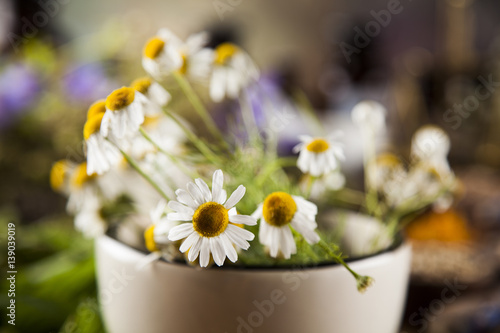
pixel 434 61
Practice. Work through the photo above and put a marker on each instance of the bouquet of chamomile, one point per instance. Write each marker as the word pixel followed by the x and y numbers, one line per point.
pixel 194 192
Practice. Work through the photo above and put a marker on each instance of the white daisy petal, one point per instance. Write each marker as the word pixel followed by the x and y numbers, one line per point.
pixel 297 148
pixel 303 161
pixel 180 216
pixel 229 248
pixel 258 212
pixel 287 242
pixel 235 197
pixel 204 189
pixel 196 41
pixel 274 244
pixel 217 250
pixel 240 232
pixel 217 183
pixel 217 85
pixel 232 211
pixel 235 239
pixel 204 252
pixel 195 248
pixel 180 208
pixel 242 219
pixel 305 206
pixel 223 197
pixel 158 211
pixel 309 234
pixel 181 231
pixel 188 243
pixel 185 198
pixel 195 193
pixel 264 233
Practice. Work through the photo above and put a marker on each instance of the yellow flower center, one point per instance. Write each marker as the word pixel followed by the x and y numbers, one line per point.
pixel 153 47
pixel 149 238
pixel 141 85
pixel 318 146
pixel 210 219
pixel 58 174
pixel 96 108
pixel 224 52
pixel 151 121
pixel 120 98
pixel 279 208
pixel 80 177
pixel 92 125
pixel 389 160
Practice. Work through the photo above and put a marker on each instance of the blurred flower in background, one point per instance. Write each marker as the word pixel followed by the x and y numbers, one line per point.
pixel 19 88
pixel 87 82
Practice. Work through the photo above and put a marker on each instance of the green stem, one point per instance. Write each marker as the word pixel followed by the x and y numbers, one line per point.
pixel 274 166
pixel 310 183
pixel 199 144
pixel 198 106
pixel 170 156
pixel 337 258
pixel 372 204
pixel 249 120
pixel 308 109
pixel 137 168
pixel 352 197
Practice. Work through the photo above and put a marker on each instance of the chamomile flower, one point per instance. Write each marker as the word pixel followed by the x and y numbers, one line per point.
pixel 382 169
pixel 84 189
pixel 156 95
pixel 197 59
pixel 333 181
pixel 161 54
pixel 319 156
pixel 211 227
pixel 430 145
pixel 369 116
pixel 96 108
pixel 89 221
pixel 60 176
pixel 125 108
pixel 101 154
pixel 156 235
pixel 279 213
pixel 232 71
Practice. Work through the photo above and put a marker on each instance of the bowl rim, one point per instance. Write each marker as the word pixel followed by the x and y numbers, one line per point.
pixel 398 243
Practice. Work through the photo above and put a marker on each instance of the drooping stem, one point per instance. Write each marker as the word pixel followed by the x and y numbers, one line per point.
pixel 198 106
pixel 336 257
pixel 362 281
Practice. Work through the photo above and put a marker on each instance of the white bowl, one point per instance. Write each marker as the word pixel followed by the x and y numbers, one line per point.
pixel 163 297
